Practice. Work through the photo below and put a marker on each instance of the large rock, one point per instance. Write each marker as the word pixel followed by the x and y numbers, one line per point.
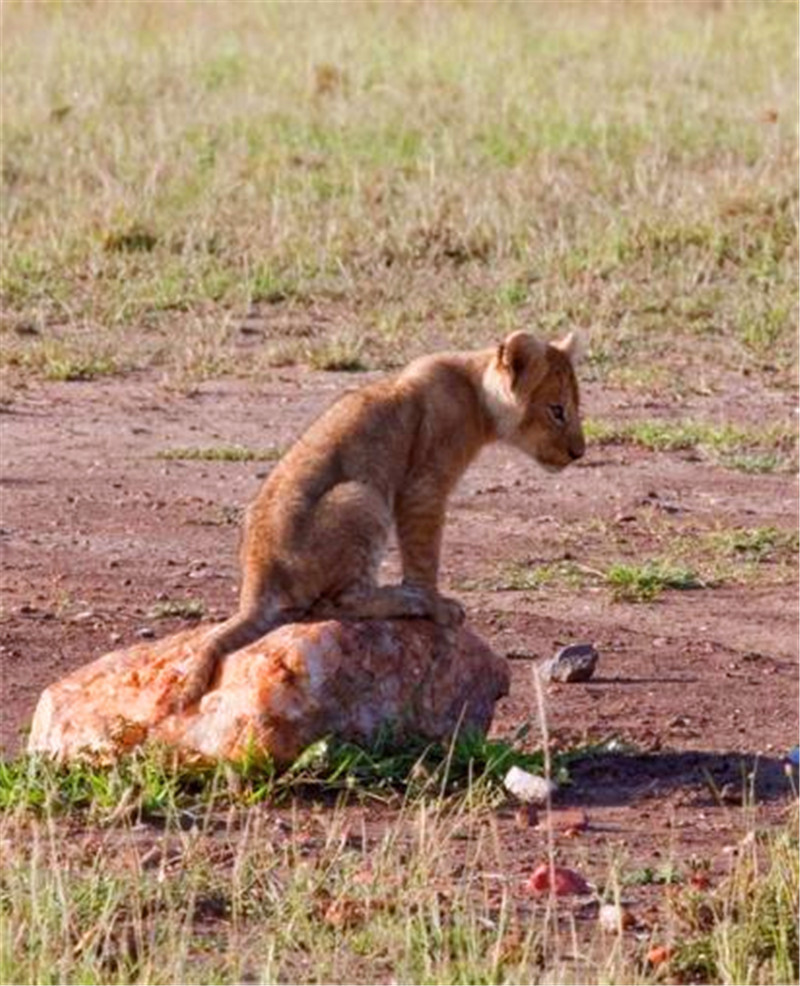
pixel 298 683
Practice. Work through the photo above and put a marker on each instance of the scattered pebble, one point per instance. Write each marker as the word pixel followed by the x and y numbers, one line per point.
pixel 526 816
pixel 530 788
pixel 345 913
pixel 26 329
pixel 615 918
pixel 658 955
pixel 145 633
pixel 576 662
pixel 559 879
pixel 83 617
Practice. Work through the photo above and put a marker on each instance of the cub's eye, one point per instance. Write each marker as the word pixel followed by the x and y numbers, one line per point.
pixel 557 413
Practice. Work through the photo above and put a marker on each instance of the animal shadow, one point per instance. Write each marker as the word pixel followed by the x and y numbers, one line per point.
pixel 708 778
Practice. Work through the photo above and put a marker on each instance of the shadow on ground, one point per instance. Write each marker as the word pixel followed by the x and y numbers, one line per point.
pixel 707 778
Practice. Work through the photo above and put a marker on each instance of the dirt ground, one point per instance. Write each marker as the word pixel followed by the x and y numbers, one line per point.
pixel 702 685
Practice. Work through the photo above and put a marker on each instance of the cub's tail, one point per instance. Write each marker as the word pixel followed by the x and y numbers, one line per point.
pixel 240 630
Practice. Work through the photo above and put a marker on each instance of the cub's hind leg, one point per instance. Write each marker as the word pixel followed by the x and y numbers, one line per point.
pixel 379 602
pixel 350 532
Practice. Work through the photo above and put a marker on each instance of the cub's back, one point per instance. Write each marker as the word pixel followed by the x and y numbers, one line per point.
pixel 364 436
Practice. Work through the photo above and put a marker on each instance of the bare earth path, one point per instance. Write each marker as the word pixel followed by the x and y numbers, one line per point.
pixel 98 529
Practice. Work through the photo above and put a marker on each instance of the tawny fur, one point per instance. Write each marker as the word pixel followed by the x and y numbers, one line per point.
pixel 390 454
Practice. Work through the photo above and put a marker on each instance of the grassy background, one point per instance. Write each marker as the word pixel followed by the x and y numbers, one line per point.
pixel 381 179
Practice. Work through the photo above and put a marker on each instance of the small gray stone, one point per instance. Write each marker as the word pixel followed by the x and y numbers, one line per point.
pixel 573 663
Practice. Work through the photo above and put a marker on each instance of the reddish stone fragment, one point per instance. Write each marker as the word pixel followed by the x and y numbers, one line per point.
pixel 559 879
pixel 658 955
pixel 526 816
pixel 700 879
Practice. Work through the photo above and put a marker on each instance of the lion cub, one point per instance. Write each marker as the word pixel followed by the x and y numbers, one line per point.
pixel 390 454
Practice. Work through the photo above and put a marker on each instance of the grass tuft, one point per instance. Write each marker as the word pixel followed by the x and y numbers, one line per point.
pixel 153 779
pixel 186 609
pixel 220 453
pixel 79 368
pixel 746 931
pixel 343 354
pixel 749 449
pixel 643 583
pixel 185 881
pixel 134 239
pixel 756 544
pixel 61 362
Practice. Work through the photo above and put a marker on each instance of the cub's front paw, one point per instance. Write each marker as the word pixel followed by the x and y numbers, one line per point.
pixel 417 600
pixel 448 612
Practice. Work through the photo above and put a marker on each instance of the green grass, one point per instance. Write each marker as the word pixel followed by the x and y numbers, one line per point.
pixel 186 609
pixel 342 354
pixel 759 544
pixel 150 783
pixel 246 907
pixel 648 876
pixel 153 780
pixel 574 176
pixel 523 576
pixel 765 449
pixel 151 873
pixel 693 556
pixel 757 462
pixel 56 360
pixel 644 583
pixel 220 453
pixel 762 556
pixel 743 933
pixel 80 368
pixel 628 581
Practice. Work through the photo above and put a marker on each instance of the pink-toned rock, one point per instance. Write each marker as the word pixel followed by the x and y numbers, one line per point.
pixel 295 685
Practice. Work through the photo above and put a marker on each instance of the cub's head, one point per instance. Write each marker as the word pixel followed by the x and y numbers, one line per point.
pixel 532 395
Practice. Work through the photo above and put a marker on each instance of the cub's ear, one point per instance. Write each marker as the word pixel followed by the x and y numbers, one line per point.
pixel 522 355
pixel 572 347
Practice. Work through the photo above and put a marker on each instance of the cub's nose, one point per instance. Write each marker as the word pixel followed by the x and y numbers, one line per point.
pixel 576 449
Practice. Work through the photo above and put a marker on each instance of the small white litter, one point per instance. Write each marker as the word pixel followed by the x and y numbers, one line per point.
pixel 530 788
